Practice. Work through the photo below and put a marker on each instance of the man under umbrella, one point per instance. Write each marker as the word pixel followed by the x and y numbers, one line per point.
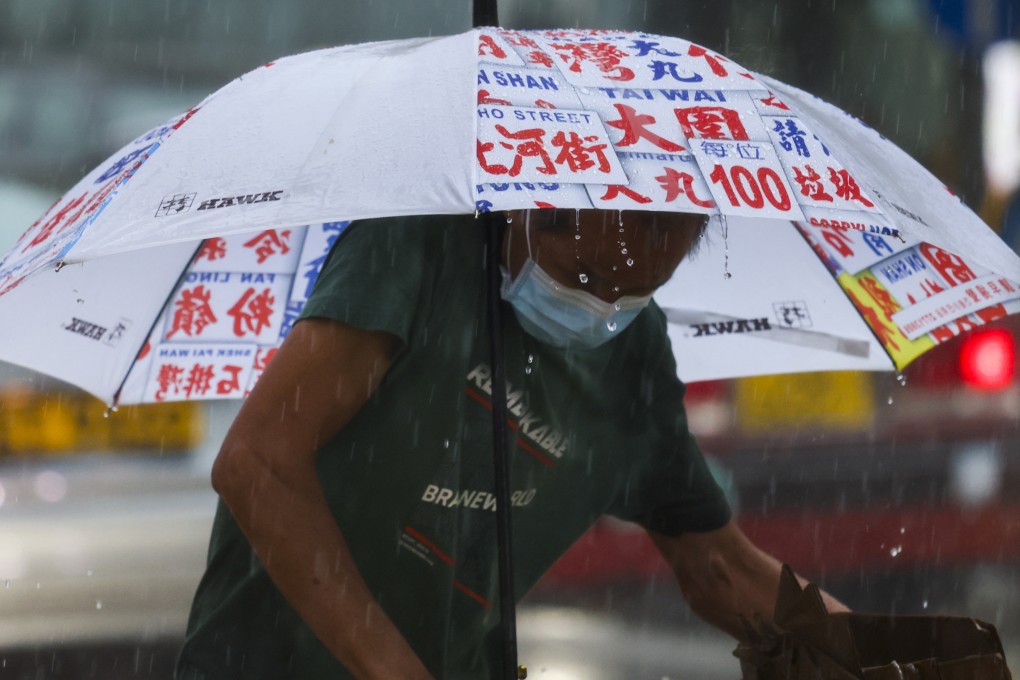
pixel 355 537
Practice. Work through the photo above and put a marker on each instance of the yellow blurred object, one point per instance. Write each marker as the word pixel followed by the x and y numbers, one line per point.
pixel 61 423
pixel 841 400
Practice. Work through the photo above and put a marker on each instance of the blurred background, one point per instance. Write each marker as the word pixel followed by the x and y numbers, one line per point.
pixel 894 492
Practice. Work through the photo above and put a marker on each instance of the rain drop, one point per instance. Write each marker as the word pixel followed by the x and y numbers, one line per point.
pixel 901 379
pixel 7 583
pixel 509 218
pixel 527 370
pixel 616 306
pixel 577 237
pixel 81 301
pixel 889 400
pixel 99 604
pixel 924 605
pixel 88 573
pixel 630 262
pixel 726 246
pixel 583 278
pixel 446 443
pixel 531 358
pixel 623 251
pixel 577 218
pixel 616 289
pixel 611 325
pixel 896 551
pixel 620 220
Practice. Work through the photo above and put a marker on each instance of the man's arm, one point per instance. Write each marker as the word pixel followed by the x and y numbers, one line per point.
pixel 265 472
pixel 724 576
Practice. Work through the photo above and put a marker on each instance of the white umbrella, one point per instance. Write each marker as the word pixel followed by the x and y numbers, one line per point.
pixel 832 250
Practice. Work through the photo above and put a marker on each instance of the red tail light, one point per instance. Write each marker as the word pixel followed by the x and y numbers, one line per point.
pixel 988 359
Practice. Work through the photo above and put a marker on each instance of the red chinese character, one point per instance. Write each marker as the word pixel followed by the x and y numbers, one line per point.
pixel 251 312
pixel 990 314
pixel 263 358
pixel 269 243
pixel 576 155
pixel 967 323
pixel 676 183
pixel 1008 285
pixel 75 210
pixel 543 104
pixel 212 249
pixel 885 334
pixel 836 237
pixel 193 312
pixel 540 58
pixel 984 292
pixel 714 61
pixel 711 122
pixel 232 383
pixel 772 101
pixel 614 190
pixel 199 380
pixel 811 184
pixel 531 145
pixel 930 287
pixel 169 378
pixel 487 45
pixel 952 267
pixel 847 188
pixel 635 127
pixel 51 224
pixel 518 39
pixel 605 56
pixel 485 98
pixel 880 295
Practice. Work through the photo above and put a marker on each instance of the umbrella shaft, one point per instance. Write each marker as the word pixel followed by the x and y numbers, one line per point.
pixel 507 601
pixel 485 13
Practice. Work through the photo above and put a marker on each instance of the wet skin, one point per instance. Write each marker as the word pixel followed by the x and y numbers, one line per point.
pixel 653 243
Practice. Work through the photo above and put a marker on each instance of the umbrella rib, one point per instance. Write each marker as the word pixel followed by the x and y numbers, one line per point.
pixel 159 315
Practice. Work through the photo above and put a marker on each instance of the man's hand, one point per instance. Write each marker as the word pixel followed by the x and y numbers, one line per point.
pixel 724 576
pixel 265 472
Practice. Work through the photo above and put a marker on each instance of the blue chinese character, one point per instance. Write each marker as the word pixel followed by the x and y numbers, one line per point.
pixel 483 206
pixel 334 229
pixel 646 47
pixel 661 68
pixel 750 152
pixel 717 149
pixel 791 137
pixel 124 162
pixel 824 148
pixel 878 245
pixel 290 316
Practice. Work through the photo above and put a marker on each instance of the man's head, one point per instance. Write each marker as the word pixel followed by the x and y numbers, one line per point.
pixel 606 253
pixel 575 278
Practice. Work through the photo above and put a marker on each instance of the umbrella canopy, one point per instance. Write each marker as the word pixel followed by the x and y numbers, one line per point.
pixel 830 247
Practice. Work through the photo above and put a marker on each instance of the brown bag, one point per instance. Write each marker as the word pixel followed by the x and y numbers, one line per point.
pixel 808 643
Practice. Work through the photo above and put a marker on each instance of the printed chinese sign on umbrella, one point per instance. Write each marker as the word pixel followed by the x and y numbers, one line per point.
pixel 173 270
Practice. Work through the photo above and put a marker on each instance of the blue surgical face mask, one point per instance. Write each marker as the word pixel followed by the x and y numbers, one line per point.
pixel 562 316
